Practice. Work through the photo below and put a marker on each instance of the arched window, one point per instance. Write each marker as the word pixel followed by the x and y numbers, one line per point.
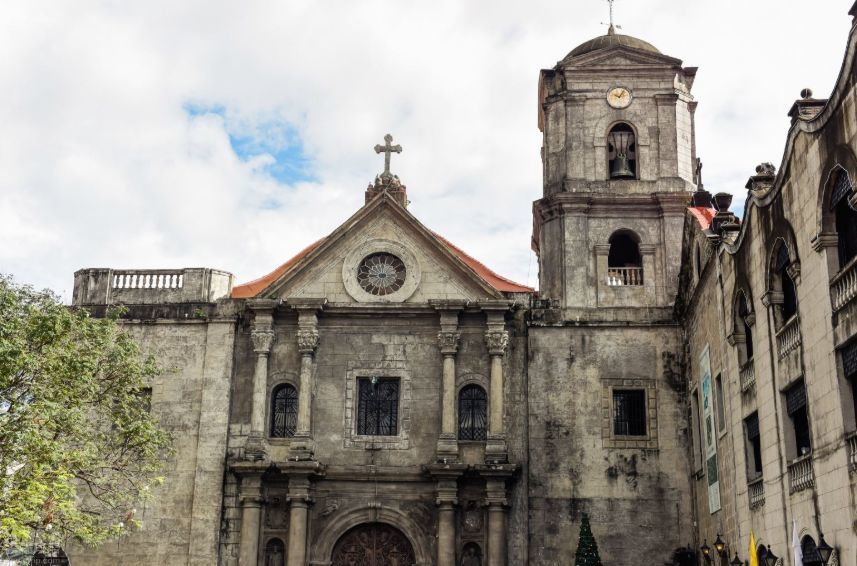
pixel 624 262
pixel 622 152
pixel 846 217
pixel 743 328
pixel 472 413
pixel 808 548
pixel 785 282
pixel 275 553
pixel 284 411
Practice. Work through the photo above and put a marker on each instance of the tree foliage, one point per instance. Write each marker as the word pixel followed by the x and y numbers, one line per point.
pixel 587 548
pixel 79 450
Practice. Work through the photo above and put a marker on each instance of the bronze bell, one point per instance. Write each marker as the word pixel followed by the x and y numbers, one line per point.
pixel 620 169
pixel 620 165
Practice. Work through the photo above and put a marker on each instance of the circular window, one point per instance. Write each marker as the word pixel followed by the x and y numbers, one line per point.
pixel 381 274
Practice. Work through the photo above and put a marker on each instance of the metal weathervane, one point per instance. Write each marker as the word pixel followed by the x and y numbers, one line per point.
pixel 613 27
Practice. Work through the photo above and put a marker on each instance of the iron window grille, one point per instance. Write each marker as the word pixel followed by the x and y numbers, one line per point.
pixel 284 411
pixel 849 365
pixel 789 307
pixel 378 407
pixel 629 412
pixel 472 413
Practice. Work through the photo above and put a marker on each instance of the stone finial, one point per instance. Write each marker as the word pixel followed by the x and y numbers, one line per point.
pixel 806 107
pixel 766 169
pixel 722 202
pixel 391 185
pixel 262 339
pixel 307 340
pixel 763 180
pixel 497 341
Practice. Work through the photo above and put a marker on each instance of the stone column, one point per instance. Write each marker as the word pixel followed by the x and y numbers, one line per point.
pixel 299 500
pixel 497 339
pixel 448 339
pixel 447 499
pixel 307 336
pixel 250 496
pixel 496 503
pixel 262 336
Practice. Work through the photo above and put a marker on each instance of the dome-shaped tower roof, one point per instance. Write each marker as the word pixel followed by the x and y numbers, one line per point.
pixel 612 39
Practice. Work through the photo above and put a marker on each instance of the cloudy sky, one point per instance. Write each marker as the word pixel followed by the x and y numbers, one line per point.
pixel 232 134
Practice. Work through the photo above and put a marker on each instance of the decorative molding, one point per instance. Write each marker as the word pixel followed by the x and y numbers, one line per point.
pixel 448 342
pixel 794 271
pixel 497 341
pixel 824 240
pixel 608 439
pixel 262 339
pixel 392 368
pixel 413 272
pixel 307 340
pixel 771 298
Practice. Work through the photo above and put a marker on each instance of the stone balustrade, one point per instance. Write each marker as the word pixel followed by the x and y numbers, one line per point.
pixel 852 452
pixel 625 277
pixel 756 491
pixel 788 337
pixel 150 286
pixel 843 287
pixel 747 375
pixel 800 474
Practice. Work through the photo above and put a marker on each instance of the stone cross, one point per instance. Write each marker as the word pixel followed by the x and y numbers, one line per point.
pixel 612 29
pixel 387 149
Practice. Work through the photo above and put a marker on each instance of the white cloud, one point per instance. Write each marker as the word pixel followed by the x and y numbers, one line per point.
pixel 101 165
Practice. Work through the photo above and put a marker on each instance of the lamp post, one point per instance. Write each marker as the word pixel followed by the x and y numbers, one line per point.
pixel 824 549
pixel 719 545
pixel 706 550
pixel 770 557
pixel 736 561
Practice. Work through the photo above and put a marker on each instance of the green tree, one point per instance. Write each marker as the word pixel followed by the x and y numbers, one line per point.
pixel 587 548
pixel 79 450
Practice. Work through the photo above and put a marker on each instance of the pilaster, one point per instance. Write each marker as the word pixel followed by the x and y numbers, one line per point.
pixel 448 340
pixel 302 445
pixel 496 340
pixel 262 336
pixel 250 497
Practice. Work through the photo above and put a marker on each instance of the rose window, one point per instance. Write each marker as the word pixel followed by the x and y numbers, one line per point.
pixel 381 274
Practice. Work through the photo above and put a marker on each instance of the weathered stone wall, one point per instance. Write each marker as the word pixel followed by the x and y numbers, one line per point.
pixel 633 490
pixel 191 401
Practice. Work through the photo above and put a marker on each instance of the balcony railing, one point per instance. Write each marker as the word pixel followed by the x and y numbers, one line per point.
pixel 843 287
pixel 788 337
pixel 852 452
pixel 748 376
pixel 800 474
pixel 756 489
pixel 624 276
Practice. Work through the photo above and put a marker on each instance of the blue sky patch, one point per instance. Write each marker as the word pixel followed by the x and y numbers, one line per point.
pixel 250 139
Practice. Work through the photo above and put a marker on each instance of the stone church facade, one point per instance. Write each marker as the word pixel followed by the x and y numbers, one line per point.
pixel 383 398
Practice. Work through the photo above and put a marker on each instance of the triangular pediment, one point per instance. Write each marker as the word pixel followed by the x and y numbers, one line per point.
pixel 429 268
pixel 618 57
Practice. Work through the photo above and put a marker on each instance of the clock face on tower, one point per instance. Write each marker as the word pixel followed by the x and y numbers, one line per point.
pixel 619 97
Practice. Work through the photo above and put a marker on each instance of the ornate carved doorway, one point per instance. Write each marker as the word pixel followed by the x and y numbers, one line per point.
pixel 373 544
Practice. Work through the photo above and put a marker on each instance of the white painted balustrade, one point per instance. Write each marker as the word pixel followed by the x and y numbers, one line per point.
pixel 148 280
pixel 843 288
pixel 747 374
pixel 800 474
pixel 788 337
pixel 625 276
pixel 756 489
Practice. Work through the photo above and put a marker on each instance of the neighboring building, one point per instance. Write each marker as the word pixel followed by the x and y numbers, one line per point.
pixel 383 398
pixel 769 308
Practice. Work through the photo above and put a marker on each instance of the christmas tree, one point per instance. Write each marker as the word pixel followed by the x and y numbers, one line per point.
pixel 587 548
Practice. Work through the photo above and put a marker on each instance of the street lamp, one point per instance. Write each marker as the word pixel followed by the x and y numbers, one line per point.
pixel 770 557
pixel 719 545
pixel 824 549
pixel 736 561
pixel 706 551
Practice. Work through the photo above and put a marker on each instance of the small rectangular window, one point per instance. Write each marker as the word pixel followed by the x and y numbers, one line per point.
pixel 754 446
pixel 629 412
pixel 378 406
pixel 796 408
pixel 721 411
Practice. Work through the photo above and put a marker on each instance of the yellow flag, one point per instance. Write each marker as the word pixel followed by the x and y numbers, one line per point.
pixel 754 559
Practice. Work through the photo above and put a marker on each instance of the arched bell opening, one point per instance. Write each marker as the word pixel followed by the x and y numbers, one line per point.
pixel 622 152
pixel 624 261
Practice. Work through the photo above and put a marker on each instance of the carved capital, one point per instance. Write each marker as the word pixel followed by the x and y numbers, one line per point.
pixel 824 240
pixel 497 340
pixel 307 340
pixel 772 298
pixel 794 271
pixel 448 342
pixel 262 340
pixel 750 319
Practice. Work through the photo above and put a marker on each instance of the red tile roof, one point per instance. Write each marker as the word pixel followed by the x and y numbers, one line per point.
pixel 253 288
pixel 703 215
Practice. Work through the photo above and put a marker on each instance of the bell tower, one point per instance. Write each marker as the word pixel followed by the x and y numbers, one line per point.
pixel 618 159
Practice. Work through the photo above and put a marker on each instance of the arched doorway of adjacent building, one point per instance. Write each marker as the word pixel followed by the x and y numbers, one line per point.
pixel 373 544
